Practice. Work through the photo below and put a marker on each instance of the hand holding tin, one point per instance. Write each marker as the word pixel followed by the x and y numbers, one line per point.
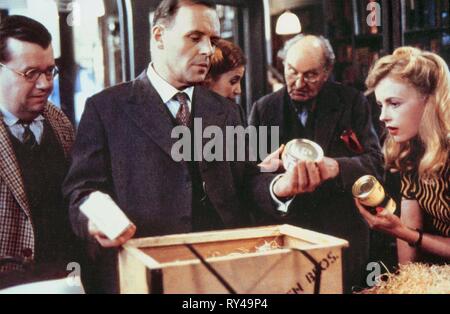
pixel 303 177
pixel 382 221
pixel 329 168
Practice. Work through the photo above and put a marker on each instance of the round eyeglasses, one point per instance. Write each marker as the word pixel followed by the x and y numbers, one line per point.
pixel 310 77
pixel 34 74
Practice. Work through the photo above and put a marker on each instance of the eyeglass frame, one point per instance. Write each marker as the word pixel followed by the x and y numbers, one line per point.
pixel 54 72
pixel 322 69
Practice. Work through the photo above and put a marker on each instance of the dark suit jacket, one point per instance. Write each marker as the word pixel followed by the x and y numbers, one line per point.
pixel 330 209
pixel 123 148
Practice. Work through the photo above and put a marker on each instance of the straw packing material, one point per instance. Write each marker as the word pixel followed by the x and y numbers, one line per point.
pixel 414 278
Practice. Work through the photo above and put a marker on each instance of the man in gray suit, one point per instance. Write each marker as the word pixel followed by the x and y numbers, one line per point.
pixel 124 145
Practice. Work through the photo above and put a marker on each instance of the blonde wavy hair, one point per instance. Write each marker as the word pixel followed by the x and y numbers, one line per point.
pixel 429 75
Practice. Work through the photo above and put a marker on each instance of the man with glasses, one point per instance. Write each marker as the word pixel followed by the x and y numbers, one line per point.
pixel 35 138
pixel 338 119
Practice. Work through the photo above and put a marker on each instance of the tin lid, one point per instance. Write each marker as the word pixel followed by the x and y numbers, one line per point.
pixel 303 149
pixel 364 186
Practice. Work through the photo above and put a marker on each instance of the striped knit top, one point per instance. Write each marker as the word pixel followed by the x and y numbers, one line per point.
pixel 433 197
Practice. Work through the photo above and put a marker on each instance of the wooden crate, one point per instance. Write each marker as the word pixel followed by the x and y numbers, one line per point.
pixel 304 262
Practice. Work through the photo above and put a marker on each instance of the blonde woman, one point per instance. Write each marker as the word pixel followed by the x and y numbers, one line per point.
pixel 412 87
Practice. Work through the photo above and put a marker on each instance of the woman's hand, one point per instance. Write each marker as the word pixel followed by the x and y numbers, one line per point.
pixel 383 221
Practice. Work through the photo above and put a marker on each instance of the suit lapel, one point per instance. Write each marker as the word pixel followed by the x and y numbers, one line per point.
pixel 328 114
pixel 10 171
pixel 147 110
pixel 209 109
pixel 291 122
pixel 63 134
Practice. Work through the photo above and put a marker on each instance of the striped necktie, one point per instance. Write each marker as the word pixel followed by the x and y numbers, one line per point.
pixel 29 140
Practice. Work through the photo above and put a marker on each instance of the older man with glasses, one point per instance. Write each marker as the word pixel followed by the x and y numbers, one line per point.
pixel 338 119
pixel 35 139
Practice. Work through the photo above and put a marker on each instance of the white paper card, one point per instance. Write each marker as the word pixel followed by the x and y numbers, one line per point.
pixel 105 214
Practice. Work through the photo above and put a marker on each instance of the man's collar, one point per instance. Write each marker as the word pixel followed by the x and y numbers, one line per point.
pixel 310 104
pixel 163 88
pixel 11 119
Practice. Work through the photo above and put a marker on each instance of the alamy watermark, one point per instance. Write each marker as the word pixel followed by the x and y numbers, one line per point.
pixel 73 278
pixel 373 278
pixel 211 144
pixel 374 17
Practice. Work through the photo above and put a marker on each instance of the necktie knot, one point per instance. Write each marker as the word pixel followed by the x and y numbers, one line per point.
pixel 303 116
pixel 183 113
pixel 303 110
pixel 29 140
pixel 181 97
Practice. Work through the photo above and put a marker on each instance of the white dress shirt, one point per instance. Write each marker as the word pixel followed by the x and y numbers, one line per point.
pixel 12 122
pixel 167 91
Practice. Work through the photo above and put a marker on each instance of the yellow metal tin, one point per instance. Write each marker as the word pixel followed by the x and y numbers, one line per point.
pixel 371 193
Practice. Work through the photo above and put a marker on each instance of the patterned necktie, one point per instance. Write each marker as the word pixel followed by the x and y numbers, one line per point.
pixel 183 113
pixel 29 140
